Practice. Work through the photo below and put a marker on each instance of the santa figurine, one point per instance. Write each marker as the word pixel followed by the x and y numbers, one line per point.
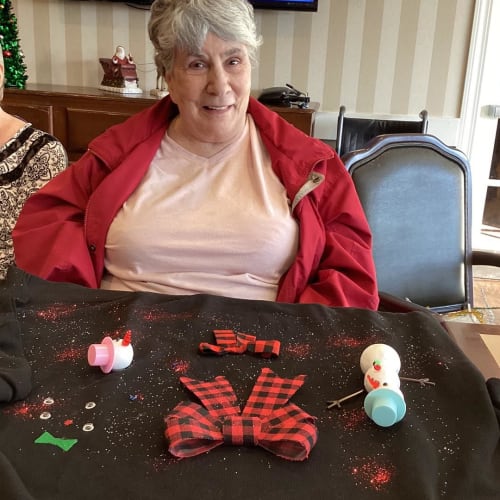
pixel 120 73
pixel 121 57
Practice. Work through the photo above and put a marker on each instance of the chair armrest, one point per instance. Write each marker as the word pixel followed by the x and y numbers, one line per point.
pixel 391 303
pixel 486 258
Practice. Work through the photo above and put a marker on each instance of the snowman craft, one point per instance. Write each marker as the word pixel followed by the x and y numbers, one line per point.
pixel 384 403
pixel 111 355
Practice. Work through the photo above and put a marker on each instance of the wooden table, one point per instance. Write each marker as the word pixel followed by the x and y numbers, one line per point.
pixel 468 338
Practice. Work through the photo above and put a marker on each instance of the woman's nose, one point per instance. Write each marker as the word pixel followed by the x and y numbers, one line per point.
pixel 218 81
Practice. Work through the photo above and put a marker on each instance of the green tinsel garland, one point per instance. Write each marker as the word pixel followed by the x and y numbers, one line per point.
pixel 15 69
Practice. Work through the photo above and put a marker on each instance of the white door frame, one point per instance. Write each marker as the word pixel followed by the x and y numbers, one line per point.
pixel 476 134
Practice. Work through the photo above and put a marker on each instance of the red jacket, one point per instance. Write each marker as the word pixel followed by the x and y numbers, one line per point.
pixel 61 232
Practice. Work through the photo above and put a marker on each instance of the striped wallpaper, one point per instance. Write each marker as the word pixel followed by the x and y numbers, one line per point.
pixel 374 56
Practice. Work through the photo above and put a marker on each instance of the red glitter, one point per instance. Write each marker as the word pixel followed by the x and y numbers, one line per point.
pixel 68 422
pixel 353 419
pixel 298 350
pixel 26 410
pixel 116 334
pixel 164 315
pixel 373 475
pixel 345 342
pixel 56 311
pixel 180 366
pixel 70 354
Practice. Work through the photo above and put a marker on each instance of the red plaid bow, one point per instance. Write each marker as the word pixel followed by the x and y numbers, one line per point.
pixel 237 343
pixel 268 419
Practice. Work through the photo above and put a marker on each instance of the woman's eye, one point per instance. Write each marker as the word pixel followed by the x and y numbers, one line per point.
pixel 197 65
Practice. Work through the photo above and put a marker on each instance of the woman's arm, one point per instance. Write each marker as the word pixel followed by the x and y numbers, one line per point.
pixel 49 237
pixel 345 275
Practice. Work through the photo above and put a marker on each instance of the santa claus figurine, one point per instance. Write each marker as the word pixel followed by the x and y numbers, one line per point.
pixel 120 73
pixel 121 57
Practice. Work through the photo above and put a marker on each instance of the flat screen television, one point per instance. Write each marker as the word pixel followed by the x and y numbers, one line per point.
pixel 297 5
pixel 305 5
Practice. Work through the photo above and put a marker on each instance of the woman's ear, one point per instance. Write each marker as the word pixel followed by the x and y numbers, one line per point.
pixel 168 80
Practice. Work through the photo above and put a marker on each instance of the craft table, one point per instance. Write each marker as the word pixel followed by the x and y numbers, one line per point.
pixel 470 337
pixel 109 428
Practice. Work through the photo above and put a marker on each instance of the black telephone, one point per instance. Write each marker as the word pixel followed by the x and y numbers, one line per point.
pixel 284 96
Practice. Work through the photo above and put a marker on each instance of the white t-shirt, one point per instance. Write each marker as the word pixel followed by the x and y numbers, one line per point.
pixel 220 225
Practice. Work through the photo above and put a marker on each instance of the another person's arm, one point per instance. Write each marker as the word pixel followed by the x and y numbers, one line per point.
pixel 41 157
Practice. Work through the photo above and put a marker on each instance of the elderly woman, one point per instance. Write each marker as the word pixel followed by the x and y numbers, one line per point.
pixel 207 191
pixel 29 158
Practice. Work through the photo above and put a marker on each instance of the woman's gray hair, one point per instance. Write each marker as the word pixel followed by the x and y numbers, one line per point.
pixel 184 25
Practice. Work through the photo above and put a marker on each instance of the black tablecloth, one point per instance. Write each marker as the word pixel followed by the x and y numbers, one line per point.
pixel 447 445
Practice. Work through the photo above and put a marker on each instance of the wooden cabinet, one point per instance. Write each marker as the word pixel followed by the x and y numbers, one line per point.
pixel 303 119
pixel 75 115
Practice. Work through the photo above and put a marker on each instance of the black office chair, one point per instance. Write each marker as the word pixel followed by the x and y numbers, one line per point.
pixel 354 133
pixel 416 193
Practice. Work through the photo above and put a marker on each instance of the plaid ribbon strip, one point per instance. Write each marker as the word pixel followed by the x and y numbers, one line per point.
pixel 227 341
pixel 268 420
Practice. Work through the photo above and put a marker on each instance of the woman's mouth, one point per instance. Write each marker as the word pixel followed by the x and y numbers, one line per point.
pixel 216 108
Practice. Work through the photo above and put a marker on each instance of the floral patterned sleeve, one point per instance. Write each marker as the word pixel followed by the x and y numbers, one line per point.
pixel 27 162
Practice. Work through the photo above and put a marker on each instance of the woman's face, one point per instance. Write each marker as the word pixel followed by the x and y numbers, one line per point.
pixel 211 90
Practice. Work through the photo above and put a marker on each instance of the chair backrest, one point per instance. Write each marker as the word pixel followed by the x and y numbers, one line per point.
pixel 416 193
pixel 354 133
